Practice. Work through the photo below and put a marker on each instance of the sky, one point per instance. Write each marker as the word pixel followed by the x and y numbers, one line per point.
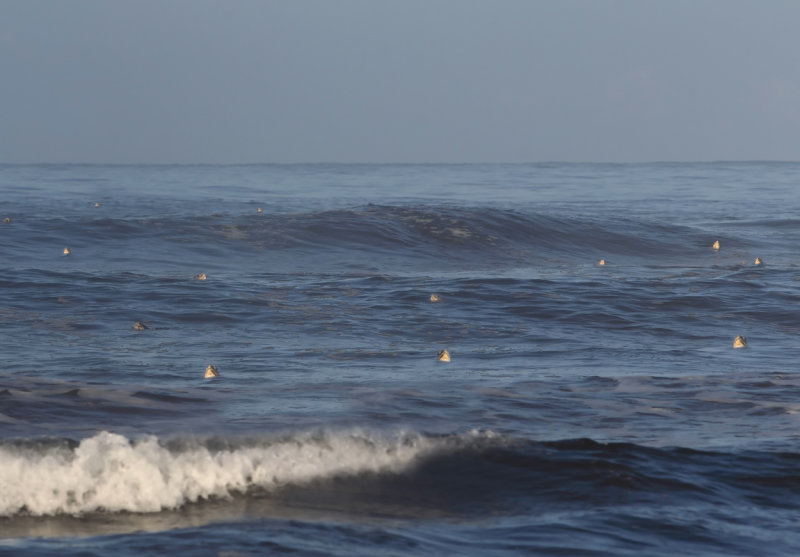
pixel 384 81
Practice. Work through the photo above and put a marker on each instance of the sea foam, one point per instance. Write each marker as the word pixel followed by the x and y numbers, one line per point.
pixel 109 472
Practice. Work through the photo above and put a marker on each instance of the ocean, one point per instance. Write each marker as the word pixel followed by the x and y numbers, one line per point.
pixel 593 403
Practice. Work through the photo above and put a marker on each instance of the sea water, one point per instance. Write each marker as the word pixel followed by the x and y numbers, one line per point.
pixel 589 409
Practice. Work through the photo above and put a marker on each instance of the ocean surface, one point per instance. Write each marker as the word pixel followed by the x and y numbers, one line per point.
pixel 587 409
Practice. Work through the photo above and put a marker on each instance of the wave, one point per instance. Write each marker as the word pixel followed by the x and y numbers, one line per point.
pixel 452 232
pixel 404 474
pixel 474 235
pixel 109 472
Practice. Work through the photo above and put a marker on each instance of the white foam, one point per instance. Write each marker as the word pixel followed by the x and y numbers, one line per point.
pixel 109 472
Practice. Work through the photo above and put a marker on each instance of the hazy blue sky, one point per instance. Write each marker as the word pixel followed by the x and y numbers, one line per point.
pixel 398 80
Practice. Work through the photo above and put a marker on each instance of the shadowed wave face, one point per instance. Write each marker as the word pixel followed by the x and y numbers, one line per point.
pixel 394 238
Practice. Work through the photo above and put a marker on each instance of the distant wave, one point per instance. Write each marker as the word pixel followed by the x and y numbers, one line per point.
pixel 475 235
pixel 458 231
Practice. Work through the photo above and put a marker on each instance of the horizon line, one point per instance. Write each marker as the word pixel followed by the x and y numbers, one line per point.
pixel 421 163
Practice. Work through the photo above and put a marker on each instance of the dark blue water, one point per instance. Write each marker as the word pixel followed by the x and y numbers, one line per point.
pixel 587 409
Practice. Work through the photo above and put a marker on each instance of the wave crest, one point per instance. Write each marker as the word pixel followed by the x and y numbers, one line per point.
pixel 109 472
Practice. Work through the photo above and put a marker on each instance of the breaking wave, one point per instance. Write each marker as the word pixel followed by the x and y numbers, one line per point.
pixel 357 472
pixel 109 472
